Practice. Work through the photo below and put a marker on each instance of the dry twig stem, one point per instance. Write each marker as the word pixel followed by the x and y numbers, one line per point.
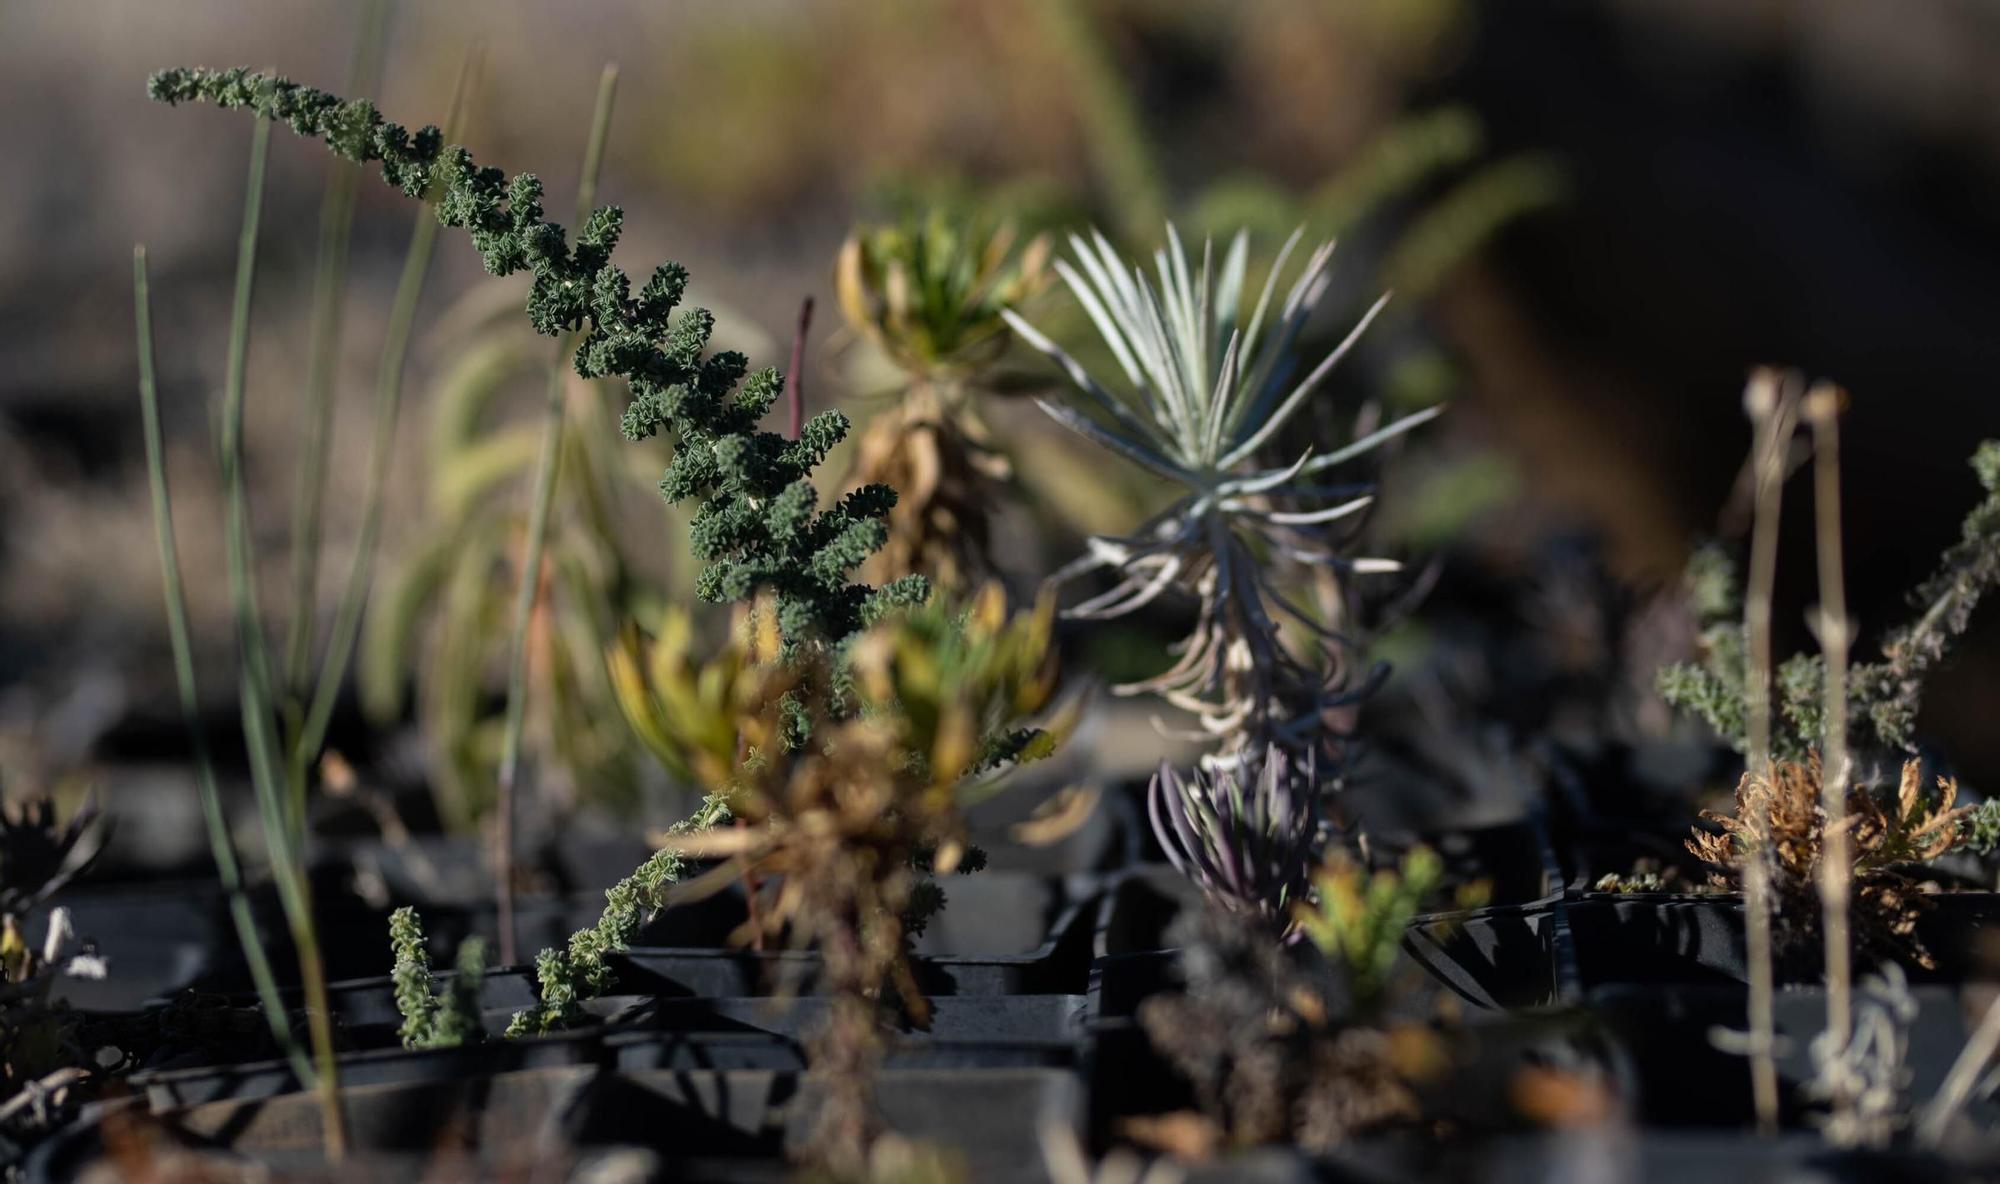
pixel 1822 409
pixel 1771 401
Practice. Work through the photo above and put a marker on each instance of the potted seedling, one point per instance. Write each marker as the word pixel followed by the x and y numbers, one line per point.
pixel 850 745
pixel 1284 971
pixel 1903 829
pixel 927 295
pixel 1841 856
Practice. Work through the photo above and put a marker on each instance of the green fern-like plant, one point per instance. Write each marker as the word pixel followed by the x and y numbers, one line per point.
pixel 758 522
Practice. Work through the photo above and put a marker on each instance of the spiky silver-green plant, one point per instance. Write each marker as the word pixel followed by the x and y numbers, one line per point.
pixel 1205 393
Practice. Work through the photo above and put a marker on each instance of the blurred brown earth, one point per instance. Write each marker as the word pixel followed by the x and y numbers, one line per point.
pixel 1803 184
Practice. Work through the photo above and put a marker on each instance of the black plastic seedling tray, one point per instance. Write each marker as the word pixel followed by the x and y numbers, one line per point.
pixel 1056 962
pixel 1511 863
pixel 1682 1079
pixel 1661 939
pixel 1002 919
pixel 1554 951
pixel 1499 957
pixel 1614 1155
pixel 709 1043
pixel 160 937
pixel 409 1112
pixel 1055 1020
pixel 1048 1035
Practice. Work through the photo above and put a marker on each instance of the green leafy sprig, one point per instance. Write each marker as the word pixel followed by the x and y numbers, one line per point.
pixel 431 1019
pixel 759 524
pixel 416 1001
pixel 582 970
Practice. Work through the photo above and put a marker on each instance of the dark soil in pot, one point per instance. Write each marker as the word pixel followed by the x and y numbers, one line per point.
pixel 1489 1048
pixel 1510 863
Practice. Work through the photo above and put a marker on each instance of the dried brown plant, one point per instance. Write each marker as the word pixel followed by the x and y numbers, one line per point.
pixel 842 840
pixel 928 295
pixel 948 481
pixel 843 827
pixel 1889 840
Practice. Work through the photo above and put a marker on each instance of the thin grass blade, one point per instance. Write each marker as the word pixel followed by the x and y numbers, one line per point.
pixel 283 813
pixel 220 843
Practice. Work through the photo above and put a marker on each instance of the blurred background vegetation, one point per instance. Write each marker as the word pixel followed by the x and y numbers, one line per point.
pixel 1595 217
